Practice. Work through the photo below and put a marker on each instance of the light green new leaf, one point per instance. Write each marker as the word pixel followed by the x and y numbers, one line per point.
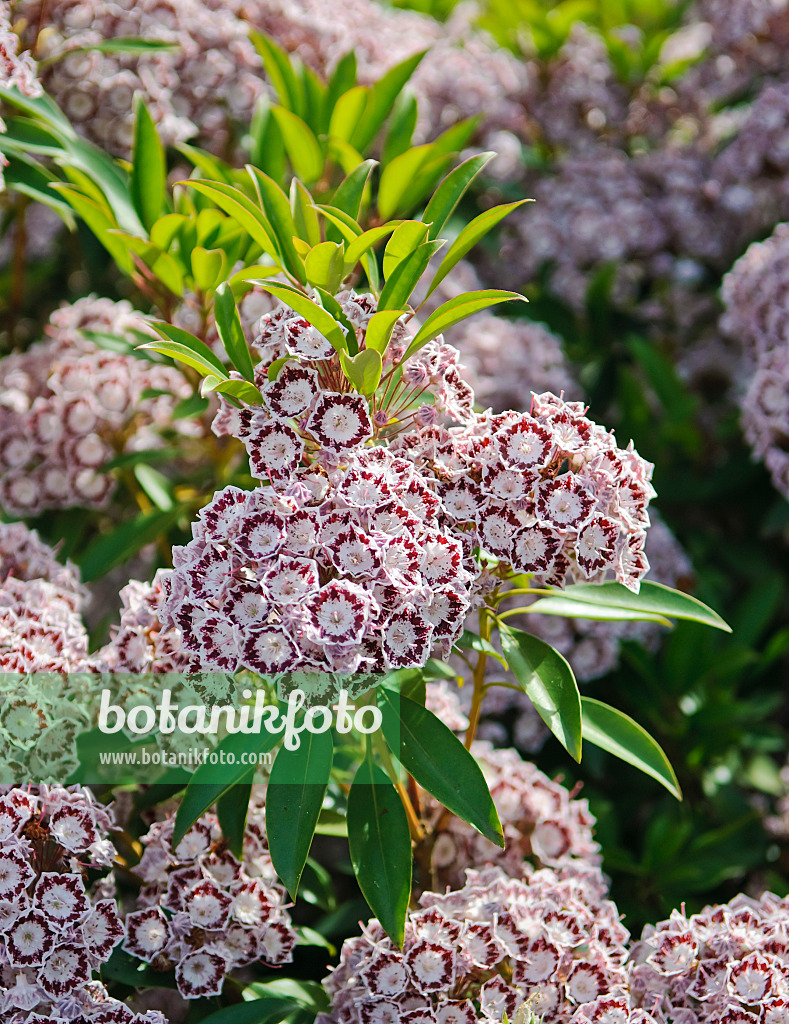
pixel 397 290
pixel 148 179
pixel 303 149
pixel 439 762
pixel 380 327
pixel 548 681
pixel 294 797
pixel 451 190
pixel 182 345
pixel 406 238
pixel 347 113
pixel 277 208
pixel 156 486
pixel 240 389
pixel 457 309
pixel 652 599
pixel 305 217
pixel 324 265
pixel 233 201
pixel 469 641
pixel 381 100
pixel 280 72
pixel 618 734
pixel 397 176
pixel 314 314
pixel 472 233
pixel 380 847
pixel 208 266
pixel 231 333
pixel 363 370
pixel 350 192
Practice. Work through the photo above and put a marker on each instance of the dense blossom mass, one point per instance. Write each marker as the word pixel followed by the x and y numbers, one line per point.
pixel 69 406
pixel 58 923
pixel 552 941
pixel 204 912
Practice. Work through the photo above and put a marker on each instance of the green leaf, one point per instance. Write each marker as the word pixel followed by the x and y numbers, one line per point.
pixel 96 218
pixel 324 265
pixel 210 782
pixel 303 149
pixel 347 113
pixel 406 239
pixel 363 370
pixel 652 599
pixel 468 238
pixel 402 124
pixel 380 847
pixel 130 45
pixel 381 100
pixel 469 641
pixel 231 333
pixel 111 549
pixel 148 180
pixel 241 389
pixel 231 810
pixel 314 314
pixel 457 309
pixel 280 72
pixel 397 176
pixel 182 345
pixel 305 217
pixel 570 609
pixel 439 762
pixel 397 290
pixel 549 683
pixel 362 243
pixel 451 190
pixel 128 970
pixel 277 208
pixel 618 734
pixel 294 797
pixel 208 267
pixel 379 329
pixel 156 486
pixel 233 201
pixel 350 192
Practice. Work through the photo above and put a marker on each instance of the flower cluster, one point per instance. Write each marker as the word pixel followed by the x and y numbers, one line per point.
pixel 726 965
pixel 552 941
pixel 206 85
pixel 204 912
pixel 24 556
pixel 542 822
pixel 68 406
pixel 755 294
pixel 503 483
pixel 16 69
pixel 56 927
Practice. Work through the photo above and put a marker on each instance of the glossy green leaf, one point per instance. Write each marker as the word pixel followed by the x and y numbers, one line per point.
pixel 406 239
pixel 397 176
pixel 233 201
pixel 439 762
pixel 397 290
pixel 451 190
pixel 653 599
pixel 280 72
pixel 314 314
pixel 148 179
pixel 380 847
pixel 231 333
pixel 402 125
pixel 548 681
pixel 241 389
pixel 186 347
pixel 96 218
pixel 277 208
pixel 458 309
pixel 362 243
pixel 303 149
pixel 468 641
pixel 294 797
pixel 618 734
pixel 363 370
pixel 324 265
pixel 210 782
pixel 570 609
pixel 347 113
pixel 231 811
pixel 471 234
pixel 350 192
pixel 208 267
pixel 380 327
pixel 156 486
pixel 305 217
pixel 381 100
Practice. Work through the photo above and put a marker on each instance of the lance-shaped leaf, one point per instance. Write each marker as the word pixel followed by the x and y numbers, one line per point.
pixel 468 641
pixel 406 239
pixel 618 734
pixel 231 333
pixel 185 347
pixel 397 290
pixel 148 179
pixel 275 203
pixel 241 389
pixel 549 683
pixel 381 99
pixel 380 847
pixel 314 314
pixel 305 217
pixel 99 222
pixel 653 599
pixel 303 149
pixel 350 192
pixel 294 797
pixel 397 176
pixel 451 190
pixel 402 125
pixel 280 72
pixel 210 782
pixel 380 327
pixel 439 762
pixel 471 234
pixel 233 201
pixel 570 609
pixel 457 309
pixel 231 810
